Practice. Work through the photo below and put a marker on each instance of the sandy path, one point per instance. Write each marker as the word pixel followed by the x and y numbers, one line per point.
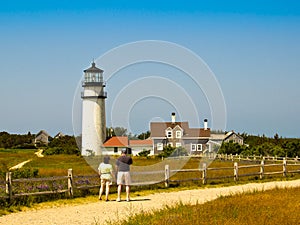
pixel 100 212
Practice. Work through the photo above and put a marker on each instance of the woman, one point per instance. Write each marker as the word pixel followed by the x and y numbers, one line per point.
pixel 106 175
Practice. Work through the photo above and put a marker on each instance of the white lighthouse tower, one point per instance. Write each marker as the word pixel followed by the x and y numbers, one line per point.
pixel 93 111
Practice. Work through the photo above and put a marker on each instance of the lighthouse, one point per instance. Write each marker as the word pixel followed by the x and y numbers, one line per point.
pixel 93 111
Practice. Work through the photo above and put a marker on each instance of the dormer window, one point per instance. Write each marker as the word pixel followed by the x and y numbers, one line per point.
pixel 178 134
pixel 169 132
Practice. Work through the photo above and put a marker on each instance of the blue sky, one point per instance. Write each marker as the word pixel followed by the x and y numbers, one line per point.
pixel 251 46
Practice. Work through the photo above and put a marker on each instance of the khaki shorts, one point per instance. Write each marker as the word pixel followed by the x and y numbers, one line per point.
pixel 123 178
pixel 106 182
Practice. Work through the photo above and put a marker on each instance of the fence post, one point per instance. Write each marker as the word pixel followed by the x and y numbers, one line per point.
pixel 70 182
pixel 204 173
pixel 284 167
pixel 167 175
pixel 8 186
pixel 236 171
pixel 262 169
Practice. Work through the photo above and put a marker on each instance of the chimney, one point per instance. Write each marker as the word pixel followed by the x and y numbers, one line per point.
pixel 173 118
pixel 205 124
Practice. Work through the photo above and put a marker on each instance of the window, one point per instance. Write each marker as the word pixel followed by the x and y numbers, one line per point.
pixel 160 146
pixel 207 146
pixel 193 147
pixel 169 134
pixel 115 149
pixel 178 134
pixel 178 144
pixel 199 147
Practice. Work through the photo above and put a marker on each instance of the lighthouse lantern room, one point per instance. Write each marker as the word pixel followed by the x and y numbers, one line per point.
pixel 93 111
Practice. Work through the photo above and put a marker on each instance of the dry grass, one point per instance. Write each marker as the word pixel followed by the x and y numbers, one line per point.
pixel 278 206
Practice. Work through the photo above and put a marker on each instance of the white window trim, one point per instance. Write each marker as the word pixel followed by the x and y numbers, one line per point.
pixel 208 146
pixel 160 146
pixel 169 129
pixel 199 145
pixel 178 144
pixel 178 134
pixel 193 147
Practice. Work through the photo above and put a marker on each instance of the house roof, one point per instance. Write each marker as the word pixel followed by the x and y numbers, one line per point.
pixel 158 129
pixel 224 136
pixel 230 133
pixel 116 141
pixel 120 141
pixel 93 69
pixel 141 142
pixel 42 132
pixel 218 136
pixel 60 134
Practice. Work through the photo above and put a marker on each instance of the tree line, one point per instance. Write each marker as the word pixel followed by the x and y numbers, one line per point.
pixel 253 144
pixel 61 145
pixel 262 145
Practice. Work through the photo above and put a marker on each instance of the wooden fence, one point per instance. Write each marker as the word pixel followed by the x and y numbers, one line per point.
pixel 254 158
pixel 203 172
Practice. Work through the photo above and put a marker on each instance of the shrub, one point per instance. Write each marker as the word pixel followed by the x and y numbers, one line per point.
pixel 144 153
pixel 25 172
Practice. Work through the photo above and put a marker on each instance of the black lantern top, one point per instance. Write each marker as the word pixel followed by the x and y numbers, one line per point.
pixel 93 75
pixel 93 69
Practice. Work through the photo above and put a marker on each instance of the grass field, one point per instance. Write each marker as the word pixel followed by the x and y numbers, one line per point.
pixel 278 206
pixel 57 165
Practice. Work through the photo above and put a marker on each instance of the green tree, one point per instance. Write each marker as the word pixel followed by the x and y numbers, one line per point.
pixel 62 145
pixel 144 153
pixel 119 131
pixel 144 136
pixel 231 148
pixel 167 151
pixel 180 151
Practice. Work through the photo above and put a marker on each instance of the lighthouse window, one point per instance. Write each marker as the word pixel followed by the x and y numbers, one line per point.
pixel 88 77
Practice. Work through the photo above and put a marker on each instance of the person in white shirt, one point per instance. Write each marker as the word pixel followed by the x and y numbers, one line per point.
pixel 106 175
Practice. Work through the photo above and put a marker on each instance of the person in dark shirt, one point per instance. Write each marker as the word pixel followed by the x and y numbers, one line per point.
pixel 123 178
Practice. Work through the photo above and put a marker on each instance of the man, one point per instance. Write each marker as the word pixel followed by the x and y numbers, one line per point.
pixel 123 178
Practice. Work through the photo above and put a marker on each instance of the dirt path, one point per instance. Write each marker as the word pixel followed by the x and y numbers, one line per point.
pixel 100 212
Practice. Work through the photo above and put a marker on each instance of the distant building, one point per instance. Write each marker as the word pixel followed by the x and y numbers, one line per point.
pixel 234 137
pixel 176 134
pixel 42 137
pixel 228 137
pixel 115 144
pixel 138 146
pixel 60 134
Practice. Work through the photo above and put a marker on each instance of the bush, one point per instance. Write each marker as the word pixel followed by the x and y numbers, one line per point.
pixel 25 172
pixel 144 153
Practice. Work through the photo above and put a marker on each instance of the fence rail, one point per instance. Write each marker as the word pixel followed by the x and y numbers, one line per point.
pixel 287 166
pixel 251 158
